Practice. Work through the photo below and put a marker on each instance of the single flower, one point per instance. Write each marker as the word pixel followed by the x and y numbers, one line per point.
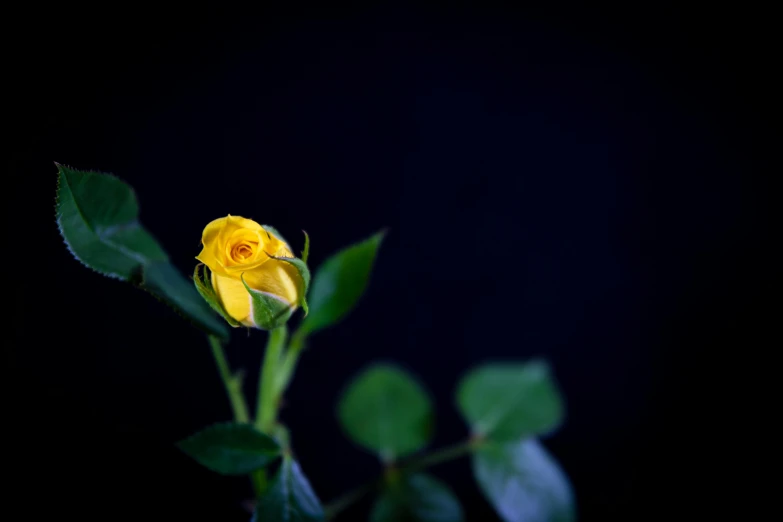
pixel 252 268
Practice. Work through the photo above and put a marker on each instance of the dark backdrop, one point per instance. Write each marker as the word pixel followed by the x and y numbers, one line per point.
pixel 573 184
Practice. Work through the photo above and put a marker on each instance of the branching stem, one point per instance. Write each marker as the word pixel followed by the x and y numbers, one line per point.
pixel 416 464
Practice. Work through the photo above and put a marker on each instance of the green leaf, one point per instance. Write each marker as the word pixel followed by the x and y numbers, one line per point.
pixel 166 283
pixel 386 411
pixel 268 311
pixel 97 215
pixel 524 483
pixel 98 218
pixel 231 448
pixel 417 498
pixel 204 287
pixel 505 402
pixel 339 283
pixel 289 498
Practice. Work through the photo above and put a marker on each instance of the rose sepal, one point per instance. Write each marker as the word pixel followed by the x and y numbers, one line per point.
pixel 303 271
pixel 204 287
pixel 270 229
pixel 268 311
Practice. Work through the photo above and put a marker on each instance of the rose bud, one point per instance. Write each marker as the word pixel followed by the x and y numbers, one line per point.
pixel 256 280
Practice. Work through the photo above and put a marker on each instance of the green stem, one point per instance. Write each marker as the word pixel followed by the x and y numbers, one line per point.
pixel 268 391
pixel 343 502
pixel 232 383
pixel 260 481
pixel 437 457
pixel 442 455
pixel 288 366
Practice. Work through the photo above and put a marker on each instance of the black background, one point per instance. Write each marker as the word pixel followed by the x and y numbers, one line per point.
pixel 575 183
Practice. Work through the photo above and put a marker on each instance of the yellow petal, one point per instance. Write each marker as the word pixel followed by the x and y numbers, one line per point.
pixel 234 297
pixel 276 246
pixel 241 222
pixel 216 239
pixel 234 223
pixel 209 239
pixel 212 230
pixel 275 277
pixel 255 239
pixel 281 250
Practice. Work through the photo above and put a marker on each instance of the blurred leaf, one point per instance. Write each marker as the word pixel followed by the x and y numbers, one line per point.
pixel 505 402
pixel 289 498
pixel 97 215
pixel 417 498
pixel 524 483
pixel 385 410
pixel 231 448
pixel 339 283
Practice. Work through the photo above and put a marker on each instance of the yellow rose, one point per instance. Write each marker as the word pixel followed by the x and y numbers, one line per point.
pixel 237 249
